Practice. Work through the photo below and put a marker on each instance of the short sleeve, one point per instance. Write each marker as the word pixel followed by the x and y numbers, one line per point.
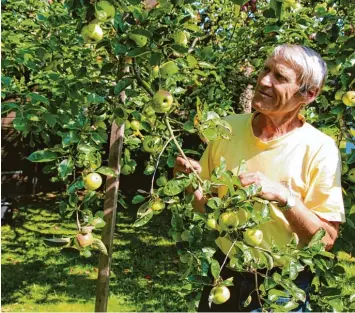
pixel 324 195
pixel 206 162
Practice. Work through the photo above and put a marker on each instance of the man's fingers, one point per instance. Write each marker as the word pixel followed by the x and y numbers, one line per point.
pixel 181 165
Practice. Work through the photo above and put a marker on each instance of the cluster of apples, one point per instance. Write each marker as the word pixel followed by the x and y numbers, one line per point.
pixel 104 12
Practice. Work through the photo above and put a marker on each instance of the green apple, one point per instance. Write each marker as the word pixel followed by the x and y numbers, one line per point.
pixel 180 38
pixel 168 69
pixel 158 206
pixel 211 223
pixel 344 168
pixel 104 11
pixel 228 221
pixel 155 71
pixel 185 235
pixel 92 181
pixel 339 94
pixel 162 101
pixel 334 69
pixel 92 33
pixel 220 294
pixel 162 181
pixel 185 258
pixel 253 237
pixel 349 98
pixel 351 175
pixel 140 40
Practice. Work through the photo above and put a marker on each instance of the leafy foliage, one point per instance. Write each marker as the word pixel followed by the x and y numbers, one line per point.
pixel 66 92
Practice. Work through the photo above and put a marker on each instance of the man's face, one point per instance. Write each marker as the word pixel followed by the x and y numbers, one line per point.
pixel 277 89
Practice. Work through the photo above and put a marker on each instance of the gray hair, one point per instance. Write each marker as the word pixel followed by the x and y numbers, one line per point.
pixel 311 67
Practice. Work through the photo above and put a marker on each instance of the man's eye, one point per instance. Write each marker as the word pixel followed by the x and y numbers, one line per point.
pixel 279 76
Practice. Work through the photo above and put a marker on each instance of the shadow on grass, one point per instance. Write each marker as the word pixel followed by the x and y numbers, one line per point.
pixel 144 274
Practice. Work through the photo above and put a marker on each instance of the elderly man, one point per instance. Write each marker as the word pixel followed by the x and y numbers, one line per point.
pixel 297 167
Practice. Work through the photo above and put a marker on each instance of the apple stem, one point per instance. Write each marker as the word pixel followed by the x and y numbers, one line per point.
pixel 166 119
pixel 157 163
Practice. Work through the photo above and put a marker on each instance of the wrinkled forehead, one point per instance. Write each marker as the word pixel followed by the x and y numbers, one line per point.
pixel 281 62
pixel 284 66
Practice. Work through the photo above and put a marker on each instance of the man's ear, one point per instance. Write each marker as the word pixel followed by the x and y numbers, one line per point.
pixel 311 95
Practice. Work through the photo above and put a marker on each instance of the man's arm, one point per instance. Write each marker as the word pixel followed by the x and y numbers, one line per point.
pixel 303 221
pixel 305 224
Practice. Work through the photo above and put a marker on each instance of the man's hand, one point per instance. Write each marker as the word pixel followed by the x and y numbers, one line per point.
pixel 181 165
pixel 270 190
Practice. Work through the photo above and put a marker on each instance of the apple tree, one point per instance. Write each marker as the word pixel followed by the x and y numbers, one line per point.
pixel 170 71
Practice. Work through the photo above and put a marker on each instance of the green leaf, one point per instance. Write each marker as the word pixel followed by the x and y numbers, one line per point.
pixel 274 294
pixel 69 138
pixel 317 237
pixel 105 170
pixel 119 49
pixel 138 199
pixel 6 81
pixel 20 124
pixel 35 98
pixel 138 52
pixel 215 269
pixel 144 219
pixel 65 168
pixel 95 98
pixel 8 107
pixel 122 85
pixel 51 119
pixel 56 242
pixel 42 156
pixel 99 245
pixel 176 186
pixel 240 2
pixel 77 184
pixel 214 203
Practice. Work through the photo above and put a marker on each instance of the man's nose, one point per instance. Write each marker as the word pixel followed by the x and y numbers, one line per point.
pixel 266 80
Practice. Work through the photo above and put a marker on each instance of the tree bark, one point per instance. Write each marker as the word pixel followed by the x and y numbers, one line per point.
pixel 110 210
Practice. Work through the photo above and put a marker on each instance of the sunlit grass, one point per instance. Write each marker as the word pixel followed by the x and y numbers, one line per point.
pixel 37 278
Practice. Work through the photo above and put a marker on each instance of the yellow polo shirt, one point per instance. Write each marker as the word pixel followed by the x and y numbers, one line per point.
pixel 305 160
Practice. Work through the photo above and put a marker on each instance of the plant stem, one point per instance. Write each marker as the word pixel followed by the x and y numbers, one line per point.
pixel 257 288
pixel 229 251
pixel 77 220
pixel 166 119
pixel 156 165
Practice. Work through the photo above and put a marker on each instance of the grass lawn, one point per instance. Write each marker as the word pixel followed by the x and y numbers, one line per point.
pixel 145 269
pixel 37 278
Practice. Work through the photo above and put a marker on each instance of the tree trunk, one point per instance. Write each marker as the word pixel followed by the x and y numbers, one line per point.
pixel 110 210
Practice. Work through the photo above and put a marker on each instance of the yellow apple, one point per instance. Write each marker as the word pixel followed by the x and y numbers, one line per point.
pixel 92 33
pixel 349 98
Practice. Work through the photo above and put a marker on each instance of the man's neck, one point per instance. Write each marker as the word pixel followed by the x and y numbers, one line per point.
pixel 268 127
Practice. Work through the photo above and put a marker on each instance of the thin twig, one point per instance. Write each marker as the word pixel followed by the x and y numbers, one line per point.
pixel 257 288
pixel 180 150
pixel 194 44
pixel 77 220
pixel 230 249
pixel 156 165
